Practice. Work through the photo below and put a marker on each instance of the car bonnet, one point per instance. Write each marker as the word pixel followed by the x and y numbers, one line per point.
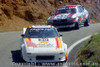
pixel 43 42
pixel 62 16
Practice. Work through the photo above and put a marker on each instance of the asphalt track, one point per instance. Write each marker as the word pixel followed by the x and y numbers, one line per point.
pixel 10 46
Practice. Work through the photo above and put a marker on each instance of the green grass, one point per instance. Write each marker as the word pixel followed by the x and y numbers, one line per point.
pixel 93 56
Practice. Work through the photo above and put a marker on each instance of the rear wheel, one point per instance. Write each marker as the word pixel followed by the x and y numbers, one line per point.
pixel 86 23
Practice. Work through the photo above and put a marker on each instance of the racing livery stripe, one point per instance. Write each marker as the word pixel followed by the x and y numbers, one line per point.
pixel 26 39
pixel 70 14
pixel 58 42
pixel 55 16
pixel 29 39
pixel 30 27
pixel 66 55
pixel 51 26
pixel 60 45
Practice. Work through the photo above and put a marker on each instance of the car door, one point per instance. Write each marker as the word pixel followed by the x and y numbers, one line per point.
pixel 81 14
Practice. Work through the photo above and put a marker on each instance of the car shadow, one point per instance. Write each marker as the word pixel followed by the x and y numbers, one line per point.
pixel 16 59
pixel 66 29
pixel 16 56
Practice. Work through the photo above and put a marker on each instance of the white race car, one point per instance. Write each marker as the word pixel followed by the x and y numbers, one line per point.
pixel 42 43
pixel 69 16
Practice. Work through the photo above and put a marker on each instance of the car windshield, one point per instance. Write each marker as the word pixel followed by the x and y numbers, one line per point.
pixel 41 33
pixel 65 10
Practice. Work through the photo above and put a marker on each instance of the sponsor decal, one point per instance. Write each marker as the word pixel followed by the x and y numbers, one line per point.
pixel 58 42
pixel 45 45
pixel 30 43
pixel 80 19
pixel 83 17
pixel 43 41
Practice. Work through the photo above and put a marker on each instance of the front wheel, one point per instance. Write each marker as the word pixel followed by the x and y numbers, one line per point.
pixel 86 23
pixel 21 56
pixel 77 25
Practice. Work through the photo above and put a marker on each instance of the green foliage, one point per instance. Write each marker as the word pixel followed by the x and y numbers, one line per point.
pixel 93 49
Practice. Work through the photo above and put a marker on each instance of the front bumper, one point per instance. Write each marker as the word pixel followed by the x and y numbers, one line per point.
pixel 44 57
pixel 62 23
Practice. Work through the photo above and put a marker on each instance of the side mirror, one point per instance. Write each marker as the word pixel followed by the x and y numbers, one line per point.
pixel 22 35
pixel 60 35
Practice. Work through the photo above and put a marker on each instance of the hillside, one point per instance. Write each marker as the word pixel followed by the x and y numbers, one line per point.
pixel 16 14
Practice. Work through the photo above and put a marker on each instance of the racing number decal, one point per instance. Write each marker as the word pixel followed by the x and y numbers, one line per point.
pixel 43 40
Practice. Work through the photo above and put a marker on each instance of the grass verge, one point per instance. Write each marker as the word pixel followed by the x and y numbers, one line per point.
pixel 89 53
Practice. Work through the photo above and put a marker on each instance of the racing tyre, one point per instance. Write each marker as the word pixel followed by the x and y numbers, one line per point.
pixel 86 23
pixel 77 25
pixel 22 60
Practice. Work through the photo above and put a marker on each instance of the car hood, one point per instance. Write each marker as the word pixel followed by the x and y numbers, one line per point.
pixel 61 16
pixel 43 44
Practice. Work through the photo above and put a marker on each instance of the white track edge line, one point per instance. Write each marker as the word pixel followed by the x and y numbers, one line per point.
pixel 76 43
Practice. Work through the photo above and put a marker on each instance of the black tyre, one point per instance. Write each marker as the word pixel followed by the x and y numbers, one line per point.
pixel 77 25
pixel 86 23
pixel 21 57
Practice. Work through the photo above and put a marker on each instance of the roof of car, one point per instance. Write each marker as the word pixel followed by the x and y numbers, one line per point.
pixel 68 6
pixel 41 26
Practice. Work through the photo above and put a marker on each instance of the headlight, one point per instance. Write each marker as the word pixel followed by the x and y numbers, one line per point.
pixel 75 19
pixel 61 53
pixel 28 53
pixel 50 20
